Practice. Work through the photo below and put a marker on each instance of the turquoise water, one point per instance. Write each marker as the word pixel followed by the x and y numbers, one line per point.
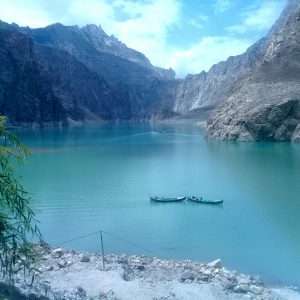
pixel 87 179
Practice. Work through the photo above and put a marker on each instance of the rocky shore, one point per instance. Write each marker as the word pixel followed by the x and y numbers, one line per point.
pixel 63 274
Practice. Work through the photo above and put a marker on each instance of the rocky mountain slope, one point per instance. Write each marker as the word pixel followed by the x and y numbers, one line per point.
pixel 66 73
pixel 208 89
pixel 26 94
pixel 265 104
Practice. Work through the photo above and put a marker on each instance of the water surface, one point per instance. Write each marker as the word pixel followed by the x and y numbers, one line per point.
pixel 86 179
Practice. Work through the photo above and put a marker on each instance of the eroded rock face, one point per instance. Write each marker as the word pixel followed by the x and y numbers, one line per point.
pixel 265 104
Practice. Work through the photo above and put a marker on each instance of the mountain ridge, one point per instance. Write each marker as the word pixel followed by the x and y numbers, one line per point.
pixel 93 76
pixel 88 83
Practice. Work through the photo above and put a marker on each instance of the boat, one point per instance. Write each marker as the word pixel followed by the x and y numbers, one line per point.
pixel 166 199
pixel 202 201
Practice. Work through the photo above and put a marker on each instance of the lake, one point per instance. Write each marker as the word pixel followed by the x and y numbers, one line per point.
pixel 100 178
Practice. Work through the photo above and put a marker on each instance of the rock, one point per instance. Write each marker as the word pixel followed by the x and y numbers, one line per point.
pixel 188 275
pixel 49 268
pixel 45 246
pixel 58 253
pixel 123 259
pixel 62 264
pixel 215 264
pixel 241 288
pixel 203 277
pixel 141 267
pixel 228 284
pixel 85 259
pixel 80 292
pixel 128 274
pixel 257 290
pixel 110 295
pixel 296 134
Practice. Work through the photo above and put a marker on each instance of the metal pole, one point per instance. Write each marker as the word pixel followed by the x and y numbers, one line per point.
pixel 102 250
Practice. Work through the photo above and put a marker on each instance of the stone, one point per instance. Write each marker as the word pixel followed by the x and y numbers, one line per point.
pixel 141 267
pixel 49 268
pixel 257 290
pixel 215 264
pixel 123 259
pixel 128 274
pixel 62 264
pixel 85 259
pixel 188 275
pixel 241 288
pixel 80 292
pixel 58 253
pixel 203 277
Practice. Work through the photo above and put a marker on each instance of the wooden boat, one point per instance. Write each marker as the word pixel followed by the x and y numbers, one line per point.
pixel 166 199
pixel 202 201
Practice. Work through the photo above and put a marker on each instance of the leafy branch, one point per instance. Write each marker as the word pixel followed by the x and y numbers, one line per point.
pixel 17 219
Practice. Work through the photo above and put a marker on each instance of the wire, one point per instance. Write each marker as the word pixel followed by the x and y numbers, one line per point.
pixel 129 242
pixel 79 237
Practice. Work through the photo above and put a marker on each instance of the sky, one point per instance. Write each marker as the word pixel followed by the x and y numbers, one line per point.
pixel 186 35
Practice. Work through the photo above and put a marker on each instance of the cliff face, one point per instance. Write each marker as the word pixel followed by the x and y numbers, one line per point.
pixel 208 89
pixel 26 94
pixel 265 105
pixel 64 73
pixel 88 75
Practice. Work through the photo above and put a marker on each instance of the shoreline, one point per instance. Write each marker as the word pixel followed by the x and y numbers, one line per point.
pixel 67 274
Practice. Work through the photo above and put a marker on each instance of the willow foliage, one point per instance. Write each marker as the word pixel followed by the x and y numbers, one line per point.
pixel 17 220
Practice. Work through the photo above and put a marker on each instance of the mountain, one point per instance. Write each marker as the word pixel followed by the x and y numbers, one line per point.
pixel 265 104
pixel 205 91
pixel 65 73
pixel 24 83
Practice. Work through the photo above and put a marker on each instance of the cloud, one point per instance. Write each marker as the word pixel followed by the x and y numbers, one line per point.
pixel 206 52
pixel 221 6
pixel 198 22
pixel 145 25
pixel 26 14
pixel 147 30
pixel 258 18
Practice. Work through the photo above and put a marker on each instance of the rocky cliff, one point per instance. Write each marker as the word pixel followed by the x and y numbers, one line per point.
pixel 66 73
pixel 265 104
pixel 26 93
pixel 208 89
